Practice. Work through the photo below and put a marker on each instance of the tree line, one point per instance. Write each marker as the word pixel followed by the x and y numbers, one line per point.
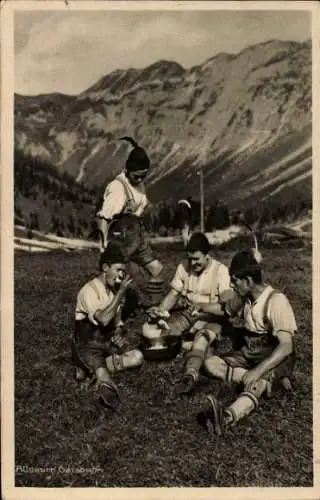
pixel 161 218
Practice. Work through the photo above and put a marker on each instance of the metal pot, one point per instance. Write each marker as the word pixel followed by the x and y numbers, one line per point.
pixel 157 345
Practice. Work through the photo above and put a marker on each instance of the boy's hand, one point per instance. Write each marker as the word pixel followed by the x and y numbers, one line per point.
pixel 251 377
pixel 119 340
pixel 195 311
pixel 125 285
pixel 163 324
pixel 155 312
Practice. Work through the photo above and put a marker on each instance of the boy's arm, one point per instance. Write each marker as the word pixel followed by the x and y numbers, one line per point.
pixel 280 353
pixel 113 204
pixel 177 286
pixel 106 315
pixel 114 200
pixel 118 317
pixel 169 300
pixel 282 321
pixel 215 309
pixel 229 304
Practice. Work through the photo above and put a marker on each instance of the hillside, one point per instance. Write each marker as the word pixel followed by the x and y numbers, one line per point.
pixel 48 200
pixel 244 118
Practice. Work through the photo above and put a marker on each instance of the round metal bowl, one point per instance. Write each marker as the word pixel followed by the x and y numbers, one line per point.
pixel 169 350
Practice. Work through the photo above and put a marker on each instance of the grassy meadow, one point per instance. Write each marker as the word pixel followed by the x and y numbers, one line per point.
pixel 156 441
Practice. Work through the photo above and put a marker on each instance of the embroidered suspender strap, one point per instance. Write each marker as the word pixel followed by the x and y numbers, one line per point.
pixel 95 288
pixel 185 288
pixel 214 281
pixel 266 320
pixel 129 205
pixel 265 315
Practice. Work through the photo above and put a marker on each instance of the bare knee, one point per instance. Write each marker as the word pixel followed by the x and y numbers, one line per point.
pixel 154 268
pixel 257 389
pixel 134 358
pixel 176 328
pixel 215 328
pixel 102 374
pixel 208 334
pixel 215 367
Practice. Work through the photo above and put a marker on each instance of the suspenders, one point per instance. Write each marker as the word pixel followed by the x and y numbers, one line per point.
pixel 130 202
pixel 265 316
pixel 129 205
pixel 214 280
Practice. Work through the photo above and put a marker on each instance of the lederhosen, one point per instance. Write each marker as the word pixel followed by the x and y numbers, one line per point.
pixel 128 231
pixel 182 319
pixel 91 343
pixel 254 348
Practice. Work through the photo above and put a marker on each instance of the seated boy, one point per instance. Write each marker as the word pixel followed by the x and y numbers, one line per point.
pixel 203 283
pixel 99 346
pixel 267 351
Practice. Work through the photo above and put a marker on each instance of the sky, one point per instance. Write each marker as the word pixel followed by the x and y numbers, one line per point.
pixel 68 51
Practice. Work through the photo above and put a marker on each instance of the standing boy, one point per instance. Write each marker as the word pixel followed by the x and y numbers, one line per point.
pixel 120 216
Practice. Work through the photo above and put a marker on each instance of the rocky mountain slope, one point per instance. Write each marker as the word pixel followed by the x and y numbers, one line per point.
pixel 244 118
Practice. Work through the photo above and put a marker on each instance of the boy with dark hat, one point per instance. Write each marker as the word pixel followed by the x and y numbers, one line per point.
pixel 99 346
pixel 267 351
pixel 120 216
pixel 202 284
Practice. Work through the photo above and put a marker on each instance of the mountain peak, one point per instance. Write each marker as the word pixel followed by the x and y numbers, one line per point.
pixel 162 69
pixel 231 115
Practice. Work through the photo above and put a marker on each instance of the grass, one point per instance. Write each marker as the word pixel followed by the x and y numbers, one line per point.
pixel 156 441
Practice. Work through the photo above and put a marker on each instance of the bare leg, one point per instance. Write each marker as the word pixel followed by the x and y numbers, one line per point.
pixel 121 362
pixel 195 358
pixel 186 233
pixel 155 286
pixel 154 268
pixel 103 233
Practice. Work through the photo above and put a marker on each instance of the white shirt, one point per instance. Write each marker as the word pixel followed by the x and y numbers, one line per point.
pixel 115 198
pixel 92 297
pixel 280 314
pixel 205 288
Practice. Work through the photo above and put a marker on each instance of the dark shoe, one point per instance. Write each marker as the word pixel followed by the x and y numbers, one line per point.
pixel 186 385
pixel 109 394
pixel 213 419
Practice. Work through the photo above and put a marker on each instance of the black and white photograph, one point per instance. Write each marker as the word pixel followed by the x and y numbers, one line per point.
pixel 160 189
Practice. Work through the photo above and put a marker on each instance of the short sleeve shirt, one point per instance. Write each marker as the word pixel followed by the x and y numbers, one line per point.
pixel 279 313
pixel 206 288
pixel 92 297
pixel 115 198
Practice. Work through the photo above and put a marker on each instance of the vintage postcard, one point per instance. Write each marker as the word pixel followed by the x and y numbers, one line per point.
pixel 159 230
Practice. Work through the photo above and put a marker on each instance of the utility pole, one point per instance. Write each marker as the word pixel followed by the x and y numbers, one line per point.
pixel 201 201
